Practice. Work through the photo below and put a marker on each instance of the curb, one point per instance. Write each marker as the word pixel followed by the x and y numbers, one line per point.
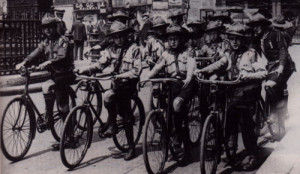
pixel 20 89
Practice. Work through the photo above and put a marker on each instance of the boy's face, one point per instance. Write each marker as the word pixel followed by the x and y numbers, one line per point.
pixel 211 36
pixel 234 41
pixel 119 39
pixel 174 41
pixel 257 30
pixel 160 31
pixel 50 31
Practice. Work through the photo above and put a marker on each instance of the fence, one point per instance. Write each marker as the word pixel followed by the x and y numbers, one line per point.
pixel 17 39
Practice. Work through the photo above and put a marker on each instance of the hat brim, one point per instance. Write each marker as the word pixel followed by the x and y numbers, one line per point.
pixel 52 24
pixel 285 25
pixel 200 24
pixel 177 15
pixel 261 22
pixel 178 33
pixel 159 26
pixel 234 34
pixel 214 29
pixel 119 31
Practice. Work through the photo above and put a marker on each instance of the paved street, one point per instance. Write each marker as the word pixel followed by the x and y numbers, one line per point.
pixel 103 157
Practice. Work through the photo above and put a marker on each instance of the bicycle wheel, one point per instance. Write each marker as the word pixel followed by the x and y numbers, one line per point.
pixel 155 145
pixel 17 129
pixel 209 150
pixel 76 136
pixel 194 121
pixel 90 91
pixel 58 120
pixel 120 139
pixel 259 118
pixel 276 126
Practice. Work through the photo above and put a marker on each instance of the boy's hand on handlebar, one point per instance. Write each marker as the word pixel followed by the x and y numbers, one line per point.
pixel 44 65
pixel 270 83
pixel 186 82
pixel 20 65
pixel 198 73
pixel 279 70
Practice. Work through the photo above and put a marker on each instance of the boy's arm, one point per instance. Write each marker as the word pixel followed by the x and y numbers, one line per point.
pixel 158 66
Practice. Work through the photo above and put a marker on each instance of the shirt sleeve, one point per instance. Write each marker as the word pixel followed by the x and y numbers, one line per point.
pixel 35 53
pixel 158 66
pixel 216 65
pixel 102 63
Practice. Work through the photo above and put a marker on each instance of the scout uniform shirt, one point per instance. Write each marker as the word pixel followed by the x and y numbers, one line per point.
pixel 124 60
pixel 174 63
pixel 154 48
pixel 57 51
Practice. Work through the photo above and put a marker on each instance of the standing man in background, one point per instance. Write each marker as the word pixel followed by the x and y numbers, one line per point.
pixel 61 25
pixel 79 35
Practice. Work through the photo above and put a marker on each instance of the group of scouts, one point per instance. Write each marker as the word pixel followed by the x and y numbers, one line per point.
pixel 256 51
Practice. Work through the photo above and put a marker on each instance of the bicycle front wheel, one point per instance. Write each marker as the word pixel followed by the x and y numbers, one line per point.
pixel 58 120
pixel 209 150
pixel 155 144
pixel 90 91
pixel 195 122
pixel 138 112
pixel 76 137
pixel 276 126
pixel 17 129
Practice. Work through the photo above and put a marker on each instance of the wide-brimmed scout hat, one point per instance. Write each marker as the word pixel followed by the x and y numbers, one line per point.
pixel 158 21
pixel 196 23
pixel 280 22
pixel 146 13
pixel 219 15
pixel 173 13
pixel 118 14
pixel 236 29
pixel 117 27
pixel 48 21
pixel 258 19
pixel 174 30
pixel 213 26
pixel 59 11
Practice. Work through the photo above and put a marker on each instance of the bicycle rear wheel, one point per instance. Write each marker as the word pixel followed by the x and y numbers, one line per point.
pixel 58 120
pixel 90 91
pixel 209 150
pixel 76 137
pixel 120 139
pixel 17 129
pixel 155 145
pixel 276 127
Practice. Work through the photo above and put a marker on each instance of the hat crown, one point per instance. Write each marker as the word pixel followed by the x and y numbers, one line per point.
pixel 279 19
pixel 212 25
pixel 174 29
pixel 117 26
pixel 236 27
pixel 158 20
pixel 257 17
pixel 46 20
pixel 119 13
pixel 175 12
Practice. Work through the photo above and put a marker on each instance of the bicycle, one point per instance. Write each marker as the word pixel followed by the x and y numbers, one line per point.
pixel 213 133
pixel 19 119
pixel 195 118
pixel 262 115
pixel 78 127
pixel 158 131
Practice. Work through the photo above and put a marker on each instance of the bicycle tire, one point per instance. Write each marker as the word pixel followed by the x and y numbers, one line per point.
pixel 277 128
pixel 28 118
pixel 71 141
pixel 95 101
pixel 155 121
pixel 209 153
pixel 120 139
pixel 58 121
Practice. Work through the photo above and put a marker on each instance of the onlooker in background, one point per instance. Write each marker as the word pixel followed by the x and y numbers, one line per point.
pixel 145 27
pixel 79 36
pixel 61 25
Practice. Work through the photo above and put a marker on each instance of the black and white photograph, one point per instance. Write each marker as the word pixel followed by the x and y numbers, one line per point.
pixel 149 86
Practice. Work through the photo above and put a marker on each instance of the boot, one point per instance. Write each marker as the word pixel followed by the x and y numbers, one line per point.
pixel 112 127
pixel 187 157
pixel 49 103
pixel 130 139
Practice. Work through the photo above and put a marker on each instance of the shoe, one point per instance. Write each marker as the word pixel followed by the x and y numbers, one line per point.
pixel 130 154
pixel 112 130
pixel 251 164
pixel 186 160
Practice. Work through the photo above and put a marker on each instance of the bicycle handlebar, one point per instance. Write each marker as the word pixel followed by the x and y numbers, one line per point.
pixel 200 58
pixel 220 82
pixel 157 80
pixel 104 76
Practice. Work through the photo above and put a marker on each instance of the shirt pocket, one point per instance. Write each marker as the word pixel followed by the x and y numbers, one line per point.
pixel 127 64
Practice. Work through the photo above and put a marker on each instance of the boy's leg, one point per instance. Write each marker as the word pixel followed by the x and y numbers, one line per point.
pixel 81 44
pixel 110 104
pixel 75 50
pixel 47 88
